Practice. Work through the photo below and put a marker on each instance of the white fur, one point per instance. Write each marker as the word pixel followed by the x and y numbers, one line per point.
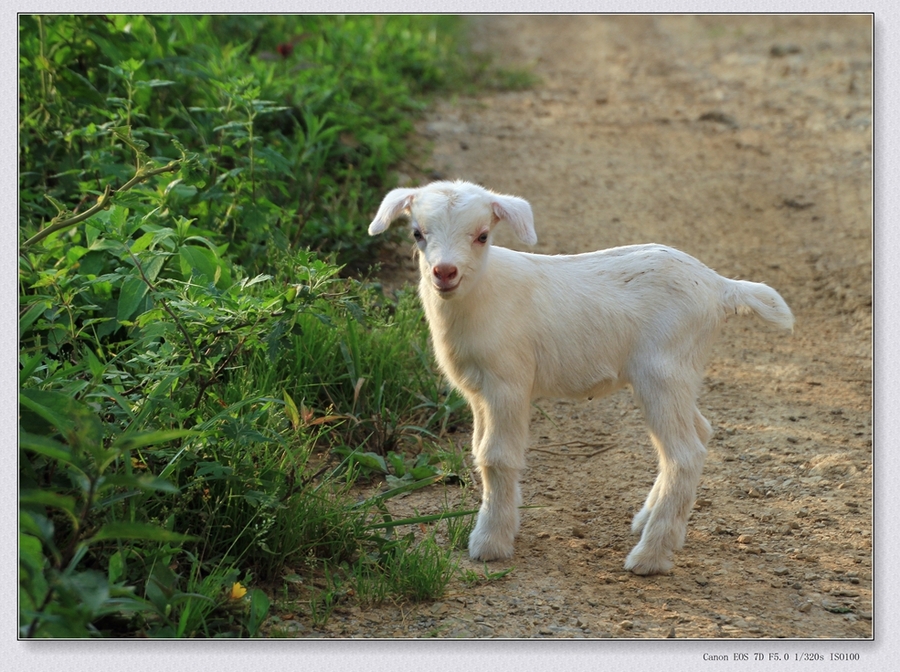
pixel 509 327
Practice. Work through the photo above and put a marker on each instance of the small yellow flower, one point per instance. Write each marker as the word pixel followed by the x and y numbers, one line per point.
pixel 237 591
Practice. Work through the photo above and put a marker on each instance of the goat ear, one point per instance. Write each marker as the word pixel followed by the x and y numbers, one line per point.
pixel 517 212
pixel 394 204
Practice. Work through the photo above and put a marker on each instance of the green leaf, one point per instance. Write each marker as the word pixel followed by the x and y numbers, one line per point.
pixel 31 554
pixel 90 588
pixel 259 608
pixel 425 471
pixel 103 244
pixel 160 587
pixel 142 243
pixel 60 208
pixel 47 405
pixel 417 520
pixel 28 365
pixel 395 482
pixel 370 461
pixel 202 260
pixel 146 531
pixel 163 236
pixel 134 440
pixel 116 568
pixel 46 498
pixel 36 525
pixel 90 233
pixel 291 409
pixel 183 619
pixel 259 278
pixel 113 394
pixel 397 463
pixel 78 423
pixel 145 482
pixel 31 315
pixel 154 265
pixel 94 364
pixel 134 289
pixel 393 492
pixel 111 222
pixel 838 609
pixel 43 445
pixel 137 145
pixel 152 83
pixel 73 254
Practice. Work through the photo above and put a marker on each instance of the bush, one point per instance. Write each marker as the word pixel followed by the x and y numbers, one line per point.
pixel 295 121
pixel 200 388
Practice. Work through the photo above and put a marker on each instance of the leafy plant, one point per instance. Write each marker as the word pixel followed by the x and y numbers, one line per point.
pixel 72 501
pixel 201 384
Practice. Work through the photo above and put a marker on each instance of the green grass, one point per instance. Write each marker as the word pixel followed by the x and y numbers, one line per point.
pixel 415 571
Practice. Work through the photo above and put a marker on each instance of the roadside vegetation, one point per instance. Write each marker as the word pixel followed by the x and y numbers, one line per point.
pixel 207 375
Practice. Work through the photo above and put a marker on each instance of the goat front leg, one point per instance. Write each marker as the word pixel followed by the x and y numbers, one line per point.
pixel 501 433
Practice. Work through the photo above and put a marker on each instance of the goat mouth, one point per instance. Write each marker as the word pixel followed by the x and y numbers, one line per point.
pixel 446 290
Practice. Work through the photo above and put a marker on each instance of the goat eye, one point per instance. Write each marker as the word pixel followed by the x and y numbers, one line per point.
pixel 482 238
pixel 418 235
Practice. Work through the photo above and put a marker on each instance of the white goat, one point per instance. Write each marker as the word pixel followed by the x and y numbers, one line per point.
pixel 509 327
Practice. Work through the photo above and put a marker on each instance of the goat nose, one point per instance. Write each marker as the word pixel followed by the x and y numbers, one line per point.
pixel 445 272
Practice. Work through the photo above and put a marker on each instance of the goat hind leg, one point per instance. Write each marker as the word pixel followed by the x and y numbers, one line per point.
pixel 641 517
pixel 704 433
pixel 679 438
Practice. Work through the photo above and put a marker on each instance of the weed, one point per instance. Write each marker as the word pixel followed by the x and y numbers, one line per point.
pixel 459 528
pixel 472 577
pixel 405 569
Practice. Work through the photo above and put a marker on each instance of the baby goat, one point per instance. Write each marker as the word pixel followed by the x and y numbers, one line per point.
pixel 509 327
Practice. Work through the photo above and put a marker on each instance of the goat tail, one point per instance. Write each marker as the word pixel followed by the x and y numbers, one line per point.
pixel 745 297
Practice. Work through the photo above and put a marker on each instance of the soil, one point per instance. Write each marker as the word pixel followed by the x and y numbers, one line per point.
pixel 746 142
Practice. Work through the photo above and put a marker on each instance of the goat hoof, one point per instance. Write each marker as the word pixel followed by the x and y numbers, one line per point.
pixel 643 563
pixel 487 556
pixel 482 547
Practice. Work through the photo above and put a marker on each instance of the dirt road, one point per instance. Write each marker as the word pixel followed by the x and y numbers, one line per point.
pixel 746 142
